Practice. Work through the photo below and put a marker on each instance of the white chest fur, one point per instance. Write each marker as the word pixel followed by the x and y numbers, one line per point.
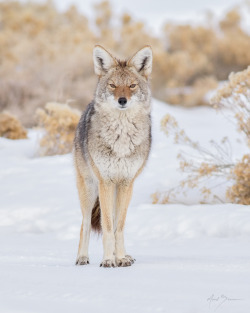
pixel 123 135
pixel 121 146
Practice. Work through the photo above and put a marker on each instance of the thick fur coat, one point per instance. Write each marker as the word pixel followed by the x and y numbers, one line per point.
pixel 112 144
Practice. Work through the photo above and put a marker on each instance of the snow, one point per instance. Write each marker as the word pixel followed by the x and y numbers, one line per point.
pixel 185 253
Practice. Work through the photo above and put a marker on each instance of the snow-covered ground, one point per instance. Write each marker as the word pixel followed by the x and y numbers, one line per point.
pixel 189 258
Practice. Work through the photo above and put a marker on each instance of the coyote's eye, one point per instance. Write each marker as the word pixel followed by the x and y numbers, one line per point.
pixel 132 86
pixel 112 86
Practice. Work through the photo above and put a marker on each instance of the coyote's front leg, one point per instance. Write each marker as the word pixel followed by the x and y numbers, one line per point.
pixel 123 197
pixel 106 196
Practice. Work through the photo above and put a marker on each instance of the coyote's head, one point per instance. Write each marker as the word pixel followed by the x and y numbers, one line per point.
pixel 123 84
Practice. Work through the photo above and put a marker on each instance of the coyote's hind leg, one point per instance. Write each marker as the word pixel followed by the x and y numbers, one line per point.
pixel 87 195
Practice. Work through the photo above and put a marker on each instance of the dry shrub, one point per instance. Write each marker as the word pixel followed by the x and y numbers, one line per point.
pixel 192 96
pixel 217 49
pixel 198 51
pixel 235 96
pixel 240 191
pixel 47 55
pixel 200 169
pixel 215 162
pixel 59 122
pixel 10 127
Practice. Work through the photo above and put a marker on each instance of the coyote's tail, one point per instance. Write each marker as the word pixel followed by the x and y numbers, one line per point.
pixel 96 217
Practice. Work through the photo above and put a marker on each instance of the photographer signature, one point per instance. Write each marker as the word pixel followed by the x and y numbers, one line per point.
pixel 216 302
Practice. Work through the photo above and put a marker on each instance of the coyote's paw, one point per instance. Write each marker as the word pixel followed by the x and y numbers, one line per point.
pixel 127 261
pixel 82 260
pixel 130 258
pixel 108 263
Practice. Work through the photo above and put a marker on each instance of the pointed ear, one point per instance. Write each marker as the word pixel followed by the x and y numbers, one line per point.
pixel 103 60
pixel 142 61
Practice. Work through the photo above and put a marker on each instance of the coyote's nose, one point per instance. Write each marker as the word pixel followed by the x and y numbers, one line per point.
pixel 122 101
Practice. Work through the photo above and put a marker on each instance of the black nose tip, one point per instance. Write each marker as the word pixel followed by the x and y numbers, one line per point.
pixel 122 101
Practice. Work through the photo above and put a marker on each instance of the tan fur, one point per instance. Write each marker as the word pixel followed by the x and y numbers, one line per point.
pixel 123 197
pixel 113 151
pixel 106 195
pixel 122 91
pixel 87 202
pixel 81 239
pixel 124 194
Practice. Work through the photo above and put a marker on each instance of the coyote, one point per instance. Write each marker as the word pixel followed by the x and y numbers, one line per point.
pixel 111 147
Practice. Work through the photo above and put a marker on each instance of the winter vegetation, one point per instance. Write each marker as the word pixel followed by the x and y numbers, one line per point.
pixel 10 127
pixel 206 164
pixel 48 54
pixel 58 122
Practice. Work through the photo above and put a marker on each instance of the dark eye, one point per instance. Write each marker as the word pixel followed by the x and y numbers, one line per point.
pixel 132 86
pixel 112 85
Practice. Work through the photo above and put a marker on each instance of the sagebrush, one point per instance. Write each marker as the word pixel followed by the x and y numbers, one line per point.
pixel 217 161
pixel 48 55
pixel 58 122
pixel 11 127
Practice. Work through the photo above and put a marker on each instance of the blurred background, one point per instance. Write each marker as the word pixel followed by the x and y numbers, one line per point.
pixel 188 223
pixel 46 48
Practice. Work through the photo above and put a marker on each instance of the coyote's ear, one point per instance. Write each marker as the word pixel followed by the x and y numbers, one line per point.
pixel 142 61
pixel 103 60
